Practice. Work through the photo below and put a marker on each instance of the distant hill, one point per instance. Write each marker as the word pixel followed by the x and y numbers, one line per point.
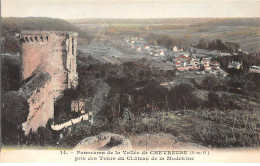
pixel 179 21
pixel 12 25
pixel 166 21
pixel 231 22
pixel 16 24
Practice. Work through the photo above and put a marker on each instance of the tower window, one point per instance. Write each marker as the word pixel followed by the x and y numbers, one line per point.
pixel 72 46
pixel 26 38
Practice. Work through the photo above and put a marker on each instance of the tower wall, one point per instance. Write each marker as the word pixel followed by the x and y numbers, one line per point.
pixel 44 55
pixel 51 52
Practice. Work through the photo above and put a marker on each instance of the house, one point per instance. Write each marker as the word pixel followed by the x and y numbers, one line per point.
pixel 196 61
pixel 184 56
pixel 138 48
pixel 235 65
pixel 205 62
pixel 134 38
pixel 254 69
pixel 183 62
pixel 245 53
pixel 146 47
pixel 215 65
pixel 207 68
pixel 132 41
pixel 155 54
pixel 240 50
pixel 161 53
pixel 174 48
pixel 192 62
pixel 176 59
pixel 177 64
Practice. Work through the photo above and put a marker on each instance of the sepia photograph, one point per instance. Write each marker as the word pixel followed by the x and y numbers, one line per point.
pixel 86 81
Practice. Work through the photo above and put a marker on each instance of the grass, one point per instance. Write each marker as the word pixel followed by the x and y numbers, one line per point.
pixel 237 128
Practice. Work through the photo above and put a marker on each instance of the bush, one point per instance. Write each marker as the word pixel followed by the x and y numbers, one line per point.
pixel 181 97
pixel 11 78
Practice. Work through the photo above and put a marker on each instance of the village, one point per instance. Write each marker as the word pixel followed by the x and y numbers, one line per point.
pixel 199 62
pixel 190 60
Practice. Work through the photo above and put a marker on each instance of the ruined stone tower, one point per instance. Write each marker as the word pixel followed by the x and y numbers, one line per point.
pixel 53 53
pixel 48 68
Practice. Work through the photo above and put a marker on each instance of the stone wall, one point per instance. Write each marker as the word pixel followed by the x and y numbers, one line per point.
pixel 48 68
pixel 51 52
pixel 39 95
pixel 79 119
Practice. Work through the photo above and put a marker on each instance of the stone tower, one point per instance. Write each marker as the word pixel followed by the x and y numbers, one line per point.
pixel 48 68
pixel 53 53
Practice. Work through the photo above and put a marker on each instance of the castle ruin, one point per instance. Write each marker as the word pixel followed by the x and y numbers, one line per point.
pixel 48 68
pixel 53 53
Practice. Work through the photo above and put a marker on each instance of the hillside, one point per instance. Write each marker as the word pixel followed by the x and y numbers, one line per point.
pixel 164 21
pixel 176 21
pixel 231 22
pixel 12 25
pixel 15 24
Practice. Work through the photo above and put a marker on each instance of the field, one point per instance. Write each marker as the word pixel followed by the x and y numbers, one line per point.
pixel 245 32
pixel 247 37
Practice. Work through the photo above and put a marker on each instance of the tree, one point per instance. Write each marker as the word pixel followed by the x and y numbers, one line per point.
pixel 212 45
pixel 181 97
pixel 202 44
pixel 213 100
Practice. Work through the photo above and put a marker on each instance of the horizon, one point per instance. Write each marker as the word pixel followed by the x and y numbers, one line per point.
pixel 133 18
pixel 164 18
pixel 110 9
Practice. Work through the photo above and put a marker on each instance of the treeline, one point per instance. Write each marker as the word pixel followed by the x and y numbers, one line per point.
pixel 168 41
pixel 231 22
pixel 247 61
pixel 218 44
pixel 141 29
pixel 13 25
pixel 10 68
pixel 183 21
pixel 16 24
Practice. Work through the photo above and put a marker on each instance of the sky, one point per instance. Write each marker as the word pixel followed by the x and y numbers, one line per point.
pixel 75 9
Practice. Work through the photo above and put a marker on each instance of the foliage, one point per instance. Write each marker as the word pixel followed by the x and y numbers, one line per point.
pixel 181 97
pixel 168 41
pixel 231 22
pixel 15 108
pixel 10 73
pixel 13 25
pixel 218 45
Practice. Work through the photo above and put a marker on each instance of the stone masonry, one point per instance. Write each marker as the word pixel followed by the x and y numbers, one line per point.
pixel 51 53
